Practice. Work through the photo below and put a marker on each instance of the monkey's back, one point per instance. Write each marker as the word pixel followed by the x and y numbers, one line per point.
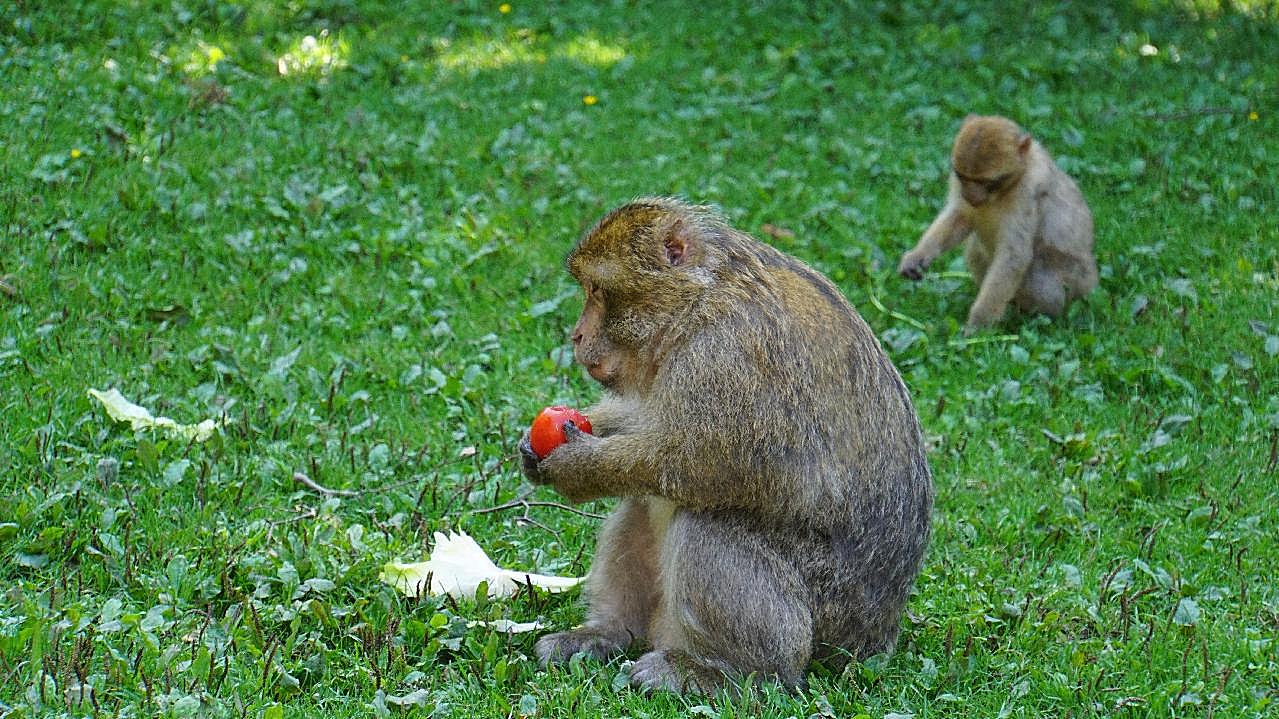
pixel 817 418
pixel 1065 235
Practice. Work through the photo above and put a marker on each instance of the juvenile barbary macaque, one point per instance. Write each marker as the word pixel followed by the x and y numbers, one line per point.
pixel 1028 228
pixel 775 495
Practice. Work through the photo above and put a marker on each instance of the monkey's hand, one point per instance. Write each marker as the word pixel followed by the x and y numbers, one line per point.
pixel 980 319
pixel 571 467
pixel 529 461
pixel 913 265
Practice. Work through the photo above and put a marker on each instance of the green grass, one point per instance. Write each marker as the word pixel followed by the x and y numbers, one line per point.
pixel 359 264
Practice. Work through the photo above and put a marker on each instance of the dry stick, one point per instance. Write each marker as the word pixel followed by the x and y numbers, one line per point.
pixel 310 484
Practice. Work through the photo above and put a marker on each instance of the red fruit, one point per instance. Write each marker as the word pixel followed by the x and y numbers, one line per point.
pixel 547 432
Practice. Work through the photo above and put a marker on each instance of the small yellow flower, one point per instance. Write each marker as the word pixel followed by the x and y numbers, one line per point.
pixel 504 8
pixel 75 153
pixel 1252 115
pixel 589 100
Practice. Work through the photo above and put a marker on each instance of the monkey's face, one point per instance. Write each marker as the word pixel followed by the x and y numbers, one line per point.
pixel 988 158
pixel 592 348
pixel 978 191
pixel 641 267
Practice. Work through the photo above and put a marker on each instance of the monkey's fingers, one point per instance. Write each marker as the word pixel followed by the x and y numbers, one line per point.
pixel 529 461
pixel 911 270
pixel 571 432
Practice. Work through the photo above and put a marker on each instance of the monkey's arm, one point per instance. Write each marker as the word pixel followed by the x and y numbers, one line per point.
pixel 611 414
pixel 608 416
pixel 587 467
pixel 629 464
pixel 949 229
pixel 1013 255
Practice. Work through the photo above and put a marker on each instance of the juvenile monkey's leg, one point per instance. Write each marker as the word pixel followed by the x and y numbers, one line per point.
pixel 622 589
pixel 732 606
pixel 1042 292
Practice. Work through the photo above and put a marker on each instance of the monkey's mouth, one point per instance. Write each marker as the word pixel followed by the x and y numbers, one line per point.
pixel 604 372
pixel 598 372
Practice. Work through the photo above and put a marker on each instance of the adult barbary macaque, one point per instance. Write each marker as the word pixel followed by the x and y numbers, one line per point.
pixel 775 496
pixel 1028 228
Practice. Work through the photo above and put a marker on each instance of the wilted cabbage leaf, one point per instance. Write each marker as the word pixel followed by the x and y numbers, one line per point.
pixel 122 410
pixel 456 567
pixel 506 626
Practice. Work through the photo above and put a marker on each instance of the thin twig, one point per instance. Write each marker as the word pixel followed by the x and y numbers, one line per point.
pixel 1221 686
pixel 311 484
pixel 529 520
pixel 1194 112
pixel 521 502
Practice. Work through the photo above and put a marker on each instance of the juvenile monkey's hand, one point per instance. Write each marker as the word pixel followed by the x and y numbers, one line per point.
pixel 980 318
pixel 912 266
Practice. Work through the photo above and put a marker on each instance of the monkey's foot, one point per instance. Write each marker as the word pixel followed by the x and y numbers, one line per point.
pixel 674 671
pixel 558 648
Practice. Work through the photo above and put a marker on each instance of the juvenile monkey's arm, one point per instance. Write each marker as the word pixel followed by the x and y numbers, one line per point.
pixel 947 230
pixel 1013 255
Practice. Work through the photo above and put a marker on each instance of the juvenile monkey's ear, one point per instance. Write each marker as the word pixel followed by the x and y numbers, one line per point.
pixel 1023 143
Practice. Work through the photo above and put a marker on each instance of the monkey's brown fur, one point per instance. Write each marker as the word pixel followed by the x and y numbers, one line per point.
pixel 775 494
pixel 1028 228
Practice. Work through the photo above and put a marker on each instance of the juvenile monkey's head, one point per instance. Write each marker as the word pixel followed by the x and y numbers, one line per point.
pixel 989 157
pixel 641 267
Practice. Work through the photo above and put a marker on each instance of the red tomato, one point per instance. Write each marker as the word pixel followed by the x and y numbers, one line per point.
pixel 547 432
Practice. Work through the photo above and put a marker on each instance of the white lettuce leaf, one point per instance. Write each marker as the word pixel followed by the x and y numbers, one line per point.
pixel 122 410
pixel 457 566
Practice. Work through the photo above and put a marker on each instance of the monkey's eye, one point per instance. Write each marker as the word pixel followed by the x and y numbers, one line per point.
pixel 995 184
pixel 990 186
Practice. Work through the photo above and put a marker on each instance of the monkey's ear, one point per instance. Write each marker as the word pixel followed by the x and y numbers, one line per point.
pixel 1023 143
pixel 677 241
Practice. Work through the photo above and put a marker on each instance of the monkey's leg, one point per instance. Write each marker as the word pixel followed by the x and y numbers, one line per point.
pixel 1043 292
pixel 733 606
pixel 623 589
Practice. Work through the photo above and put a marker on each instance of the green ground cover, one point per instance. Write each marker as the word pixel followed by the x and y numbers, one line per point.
pixel 340 225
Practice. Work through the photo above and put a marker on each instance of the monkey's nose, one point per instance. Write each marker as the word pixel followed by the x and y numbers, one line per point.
pixel 577 338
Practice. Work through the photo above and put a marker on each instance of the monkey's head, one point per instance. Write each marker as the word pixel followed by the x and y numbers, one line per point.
pixel 989 157
pixel 641 268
